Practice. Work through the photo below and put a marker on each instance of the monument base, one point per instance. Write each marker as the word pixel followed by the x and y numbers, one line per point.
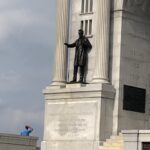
pixel 78 116
pixel 67 145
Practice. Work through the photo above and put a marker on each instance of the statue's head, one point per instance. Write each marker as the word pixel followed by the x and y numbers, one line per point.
pixel 80 32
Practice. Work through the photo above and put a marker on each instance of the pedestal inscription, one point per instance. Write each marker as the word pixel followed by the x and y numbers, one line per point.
pixel 71 120
pixel 71 124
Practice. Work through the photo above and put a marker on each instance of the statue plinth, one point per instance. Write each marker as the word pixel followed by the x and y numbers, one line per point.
pixel 74 114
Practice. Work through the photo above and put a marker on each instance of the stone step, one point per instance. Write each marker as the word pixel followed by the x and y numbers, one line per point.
pixel 112 148
pixel 116 137
pixel 114 143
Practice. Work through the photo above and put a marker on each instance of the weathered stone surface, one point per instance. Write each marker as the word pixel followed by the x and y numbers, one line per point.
pixel 141 7
pixel 65 121
pixel 137 7
pixel 77 116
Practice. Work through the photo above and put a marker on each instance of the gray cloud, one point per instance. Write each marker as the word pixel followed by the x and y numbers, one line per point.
pixel 27 37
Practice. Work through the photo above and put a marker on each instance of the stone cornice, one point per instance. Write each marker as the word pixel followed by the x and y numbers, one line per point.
pixel 73 91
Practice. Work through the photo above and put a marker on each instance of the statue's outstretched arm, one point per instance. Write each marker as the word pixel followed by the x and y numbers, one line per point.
pixel 70 45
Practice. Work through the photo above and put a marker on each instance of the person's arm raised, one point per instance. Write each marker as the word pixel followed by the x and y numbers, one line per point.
pixel 30 128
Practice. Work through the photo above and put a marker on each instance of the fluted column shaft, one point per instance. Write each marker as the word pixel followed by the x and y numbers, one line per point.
pixel 102 41
pixel 60 66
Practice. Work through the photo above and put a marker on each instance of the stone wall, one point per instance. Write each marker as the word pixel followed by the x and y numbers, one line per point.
pixel 130 59
pixel 17 142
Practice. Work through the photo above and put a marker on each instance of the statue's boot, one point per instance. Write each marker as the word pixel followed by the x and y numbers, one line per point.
pixel 74 80
pixel 80 81
pixel 81 74
pixel 74 74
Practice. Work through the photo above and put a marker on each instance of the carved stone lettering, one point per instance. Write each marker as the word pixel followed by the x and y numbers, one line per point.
pixel 70 125
pixel 72 120
pixel 136 65
pixel 137 55
pixel 134 77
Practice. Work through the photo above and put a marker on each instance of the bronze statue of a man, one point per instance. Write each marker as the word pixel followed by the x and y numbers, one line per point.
pixel 82 45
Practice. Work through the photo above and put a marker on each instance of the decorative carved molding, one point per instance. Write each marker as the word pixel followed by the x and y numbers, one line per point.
pixel 140 7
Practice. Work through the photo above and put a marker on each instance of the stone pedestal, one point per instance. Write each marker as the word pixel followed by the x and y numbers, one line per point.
pixel 77 116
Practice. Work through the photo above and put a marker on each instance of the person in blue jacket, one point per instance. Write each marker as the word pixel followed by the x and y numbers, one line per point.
pixel 26 131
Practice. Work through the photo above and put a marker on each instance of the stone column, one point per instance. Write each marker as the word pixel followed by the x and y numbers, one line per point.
pixel 102 41
pixel 60 66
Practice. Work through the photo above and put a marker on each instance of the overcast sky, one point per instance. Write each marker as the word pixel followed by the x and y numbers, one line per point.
pixel 27 37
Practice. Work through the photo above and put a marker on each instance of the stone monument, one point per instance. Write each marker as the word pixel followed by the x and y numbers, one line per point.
pixel 82 116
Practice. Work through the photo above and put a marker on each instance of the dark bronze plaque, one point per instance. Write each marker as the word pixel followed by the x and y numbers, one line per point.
pixel 134 99
pixel 146 146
